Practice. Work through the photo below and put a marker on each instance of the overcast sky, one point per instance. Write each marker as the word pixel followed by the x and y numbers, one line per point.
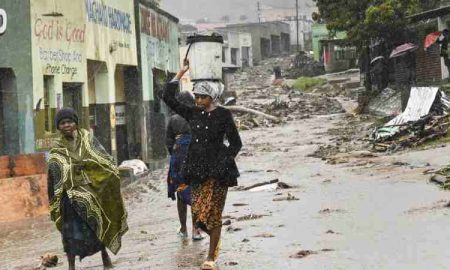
pixel 216 9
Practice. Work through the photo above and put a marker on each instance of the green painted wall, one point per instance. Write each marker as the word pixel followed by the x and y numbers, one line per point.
pixel 159 48
pixel 158 55
pixel 320 32
pixel 15 53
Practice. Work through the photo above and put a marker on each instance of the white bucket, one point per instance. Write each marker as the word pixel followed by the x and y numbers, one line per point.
pixel 205 57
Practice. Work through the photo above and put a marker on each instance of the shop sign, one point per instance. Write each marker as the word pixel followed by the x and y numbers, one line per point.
pixel 120 115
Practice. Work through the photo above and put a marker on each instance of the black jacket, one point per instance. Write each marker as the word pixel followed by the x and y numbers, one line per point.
pixel 208 156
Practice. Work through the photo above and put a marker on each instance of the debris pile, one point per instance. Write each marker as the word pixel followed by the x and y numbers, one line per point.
pixel 387 103
pixel 425 119
pixel 48 260
pixel 350 137
pixel 411 134
pixel 294 106
pixel 264 101
pixel 305 66
pixel 305 253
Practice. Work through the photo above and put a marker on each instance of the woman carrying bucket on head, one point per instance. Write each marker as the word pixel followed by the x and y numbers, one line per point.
pixel 210 165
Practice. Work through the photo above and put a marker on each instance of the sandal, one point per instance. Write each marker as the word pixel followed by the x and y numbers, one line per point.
pixel 209 265
pixel 182 234
pixel 197 237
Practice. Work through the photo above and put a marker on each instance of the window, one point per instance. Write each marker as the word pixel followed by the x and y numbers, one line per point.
pixel 224 60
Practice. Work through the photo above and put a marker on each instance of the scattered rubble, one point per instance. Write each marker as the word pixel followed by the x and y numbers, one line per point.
pixel 387 103
pixel 441 177
pixel 227 223
pixel 49 260
pixel 240 204
pixel 329 211
pixel 255 112
pixel 305 253
pixel 302 254
pixel 289 197
pixel 410 134
pixel 261 184
pixel 265 235
pixel 249 217
pixel 267 185
pixel 304 65
pixel 264 104
pixel 233 229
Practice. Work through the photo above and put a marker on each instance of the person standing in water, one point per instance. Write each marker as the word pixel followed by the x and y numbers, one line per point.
pixel 178 138
pixel 84 193
pixel 210 165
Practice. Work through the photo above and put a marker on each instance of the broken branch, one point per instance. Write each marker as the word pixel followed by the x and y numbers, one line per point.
pixel 255 112
pixel 262 184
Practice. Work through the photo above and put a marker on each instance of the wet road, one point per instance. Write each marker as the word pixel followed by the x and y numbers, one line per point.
pixel 371 213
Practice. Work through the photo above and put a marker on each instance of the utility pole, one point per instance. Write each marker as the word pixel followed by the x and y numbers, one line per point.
pixel 298 27
pixel 259 11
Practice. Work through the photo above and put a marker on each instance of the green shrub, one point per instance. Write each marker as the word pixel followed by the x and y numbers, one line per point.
pixel 306 83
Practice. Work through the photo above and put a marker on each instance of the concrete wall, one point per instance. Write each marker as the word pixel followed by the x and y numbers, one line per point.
pixel 159 58
pixel 111 41
pixel 15 54
pixel 23 197
pixel 260 31
pixel 246 42
pixel 288 15
pixel 58 54
pixel 235 42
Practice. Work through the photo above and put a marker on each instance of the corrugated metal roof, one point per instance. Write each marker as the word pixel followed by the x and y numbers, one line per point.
pixel 419 104
pixel 430 14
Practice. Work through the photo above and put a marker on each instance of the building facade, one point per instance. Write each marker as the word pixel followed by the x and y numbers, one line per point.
pixel 85 54
pixel 16 80
pixel 289 16
pixel 159 56
pixel 269 39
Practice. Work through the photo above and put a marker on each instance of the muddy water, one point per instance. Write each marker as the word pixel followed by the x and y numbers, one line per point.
pixel 376 216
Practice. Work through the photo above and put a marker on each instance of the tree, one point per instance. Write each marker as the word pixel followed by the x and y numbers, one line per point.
pixel 366 20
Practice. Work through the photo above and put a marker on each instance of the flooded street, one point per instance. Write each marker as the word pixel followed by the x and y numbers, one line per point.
pixel 336 113
pixel 370 213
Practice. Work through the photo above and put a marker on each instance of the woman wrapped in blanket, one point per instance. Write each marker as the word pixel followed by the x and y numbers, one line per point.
pixel 84 193
pixel 210 165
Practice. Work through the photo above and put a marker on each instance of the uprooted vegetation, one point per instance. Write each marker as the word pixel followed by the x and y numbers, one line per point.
pixel 308 83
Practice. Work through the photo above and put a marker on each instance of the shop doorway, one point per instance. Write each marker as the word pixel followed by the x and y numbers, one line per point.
pixel 72 96
pixel 121 116
pixel 265 48
pixel 245 56
pixel 9 139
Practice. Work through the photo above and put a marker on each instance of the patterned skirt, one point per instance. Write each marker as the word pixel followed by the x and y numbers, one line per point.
pixel 77 237
pixel 208 201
